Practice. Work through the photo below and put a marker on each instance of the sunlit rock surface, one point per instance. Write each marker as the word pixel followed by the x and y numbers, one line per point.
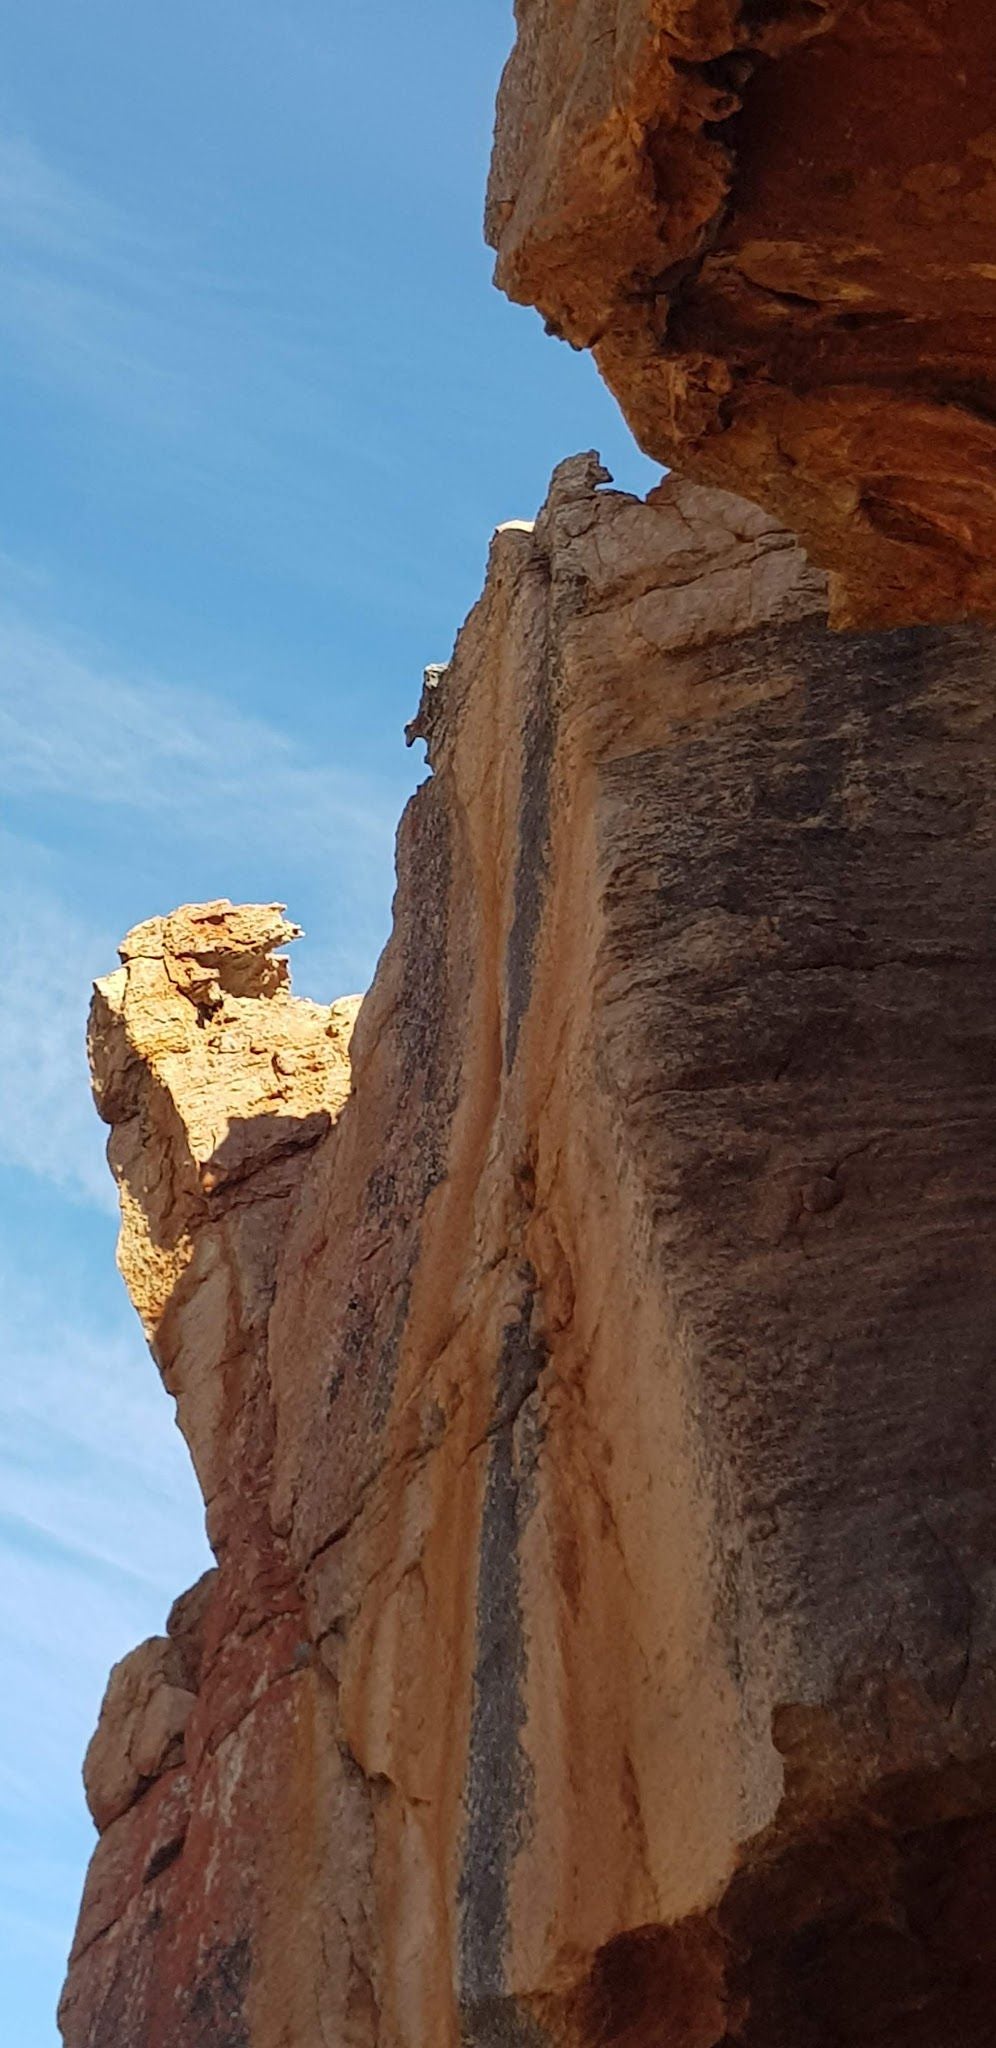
pixel 589 1373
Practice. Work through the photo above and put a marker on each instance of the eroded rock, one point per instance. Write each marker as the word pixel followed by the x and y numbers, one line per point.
pixel 773 224
pixel 216 1759
pixel 596 1411
pixel 145 1712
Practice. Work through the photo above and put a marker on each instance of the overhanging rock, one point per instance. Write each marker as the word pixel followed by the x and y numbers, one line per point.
pixel 773 221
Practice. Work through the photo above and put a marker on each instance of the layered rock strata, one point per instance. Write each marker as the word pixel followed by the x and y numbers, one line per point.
pixel 595 1409
pixel 773 222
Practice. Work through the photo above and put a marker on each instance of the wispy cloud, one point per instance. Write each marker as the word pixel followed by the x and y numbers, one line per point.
pixel 100 1520
pixel 86 299
pixel 43 210
pixel 264 394
pixel 145 326
pixel 90 1468
pixel 71 725
pixel 47 1122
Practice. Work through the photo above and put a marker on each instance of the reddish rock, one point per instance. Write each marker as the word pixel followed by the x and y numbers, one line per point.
pixel 142 1721
pixel 593 1397
pixel 215 1762
pixel 773 223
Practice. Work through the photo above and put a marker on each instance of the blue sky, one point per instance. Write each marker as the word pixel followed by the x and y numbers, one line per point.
pixel 261 411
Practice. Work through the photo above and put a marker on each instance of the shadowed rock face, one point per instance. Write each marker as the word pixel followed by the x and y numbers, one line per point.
pixel 773 221
pixel 592 1394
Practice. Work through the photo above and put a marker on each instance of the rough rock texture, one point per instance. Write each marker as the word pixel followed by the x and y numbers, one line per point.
pixel 774 222
pixel 214 1764
pixel 596 1412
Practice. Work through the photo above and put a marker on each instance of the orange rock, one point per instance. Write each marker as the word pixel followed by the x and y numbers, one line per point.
pixel 773 223
pixel 594 1405
pixel 145 1711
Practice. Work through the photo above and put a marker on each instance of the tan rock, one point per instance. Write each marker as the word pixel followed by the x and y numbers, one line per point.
pixel 145 1711
pixel 595 1415
pixel 214 1080
pixel 216 1760
pixel 773 224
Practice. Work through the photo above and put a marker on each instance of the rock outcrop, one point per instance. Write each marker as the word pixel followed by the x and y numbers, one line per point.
pixel 773 222
pixel 591 1392
pixel 214 1764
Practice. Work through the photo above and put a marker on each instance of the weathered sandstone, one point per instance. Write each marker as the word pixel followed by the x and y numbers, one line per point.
pixel 774 222
pixel 592 1393
pixel 208 1769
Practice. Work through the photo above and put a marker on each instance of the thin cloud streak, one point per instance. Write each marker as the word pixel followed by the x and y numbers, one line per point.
pixel 87 292
pixel 141 327
pixel 70 727
pixel 101 1523
pixel 48 1126
pixel 44 210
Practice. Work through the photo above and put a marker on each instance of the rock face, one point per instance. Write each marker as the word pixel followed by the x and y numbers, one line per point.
pixel 214 1764
pixel 594 1405
pixel 773 222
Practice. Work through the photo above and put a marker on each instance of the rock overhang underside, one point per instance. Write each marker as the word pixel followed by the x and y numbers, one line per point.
pixel 773 222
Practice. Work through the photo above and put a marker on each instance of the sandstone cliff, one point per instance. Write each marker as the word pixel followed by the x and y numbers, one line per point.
pixel 590 1376
pixel 773 222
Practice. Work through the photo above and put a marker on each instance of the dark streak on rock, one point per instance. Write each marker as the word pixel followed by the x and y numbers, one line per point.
pixel 532 862
pixel 799 962
pixel 425 866
pixel 163 1857
pixel 429 1009
pixel 217 2004
pixel 499 1775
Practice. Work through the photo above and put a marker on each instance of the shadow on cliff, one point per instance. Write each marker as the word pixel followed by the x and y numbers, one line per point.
pixel 254 1147
pixel 878 1927
pixel 258 1160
